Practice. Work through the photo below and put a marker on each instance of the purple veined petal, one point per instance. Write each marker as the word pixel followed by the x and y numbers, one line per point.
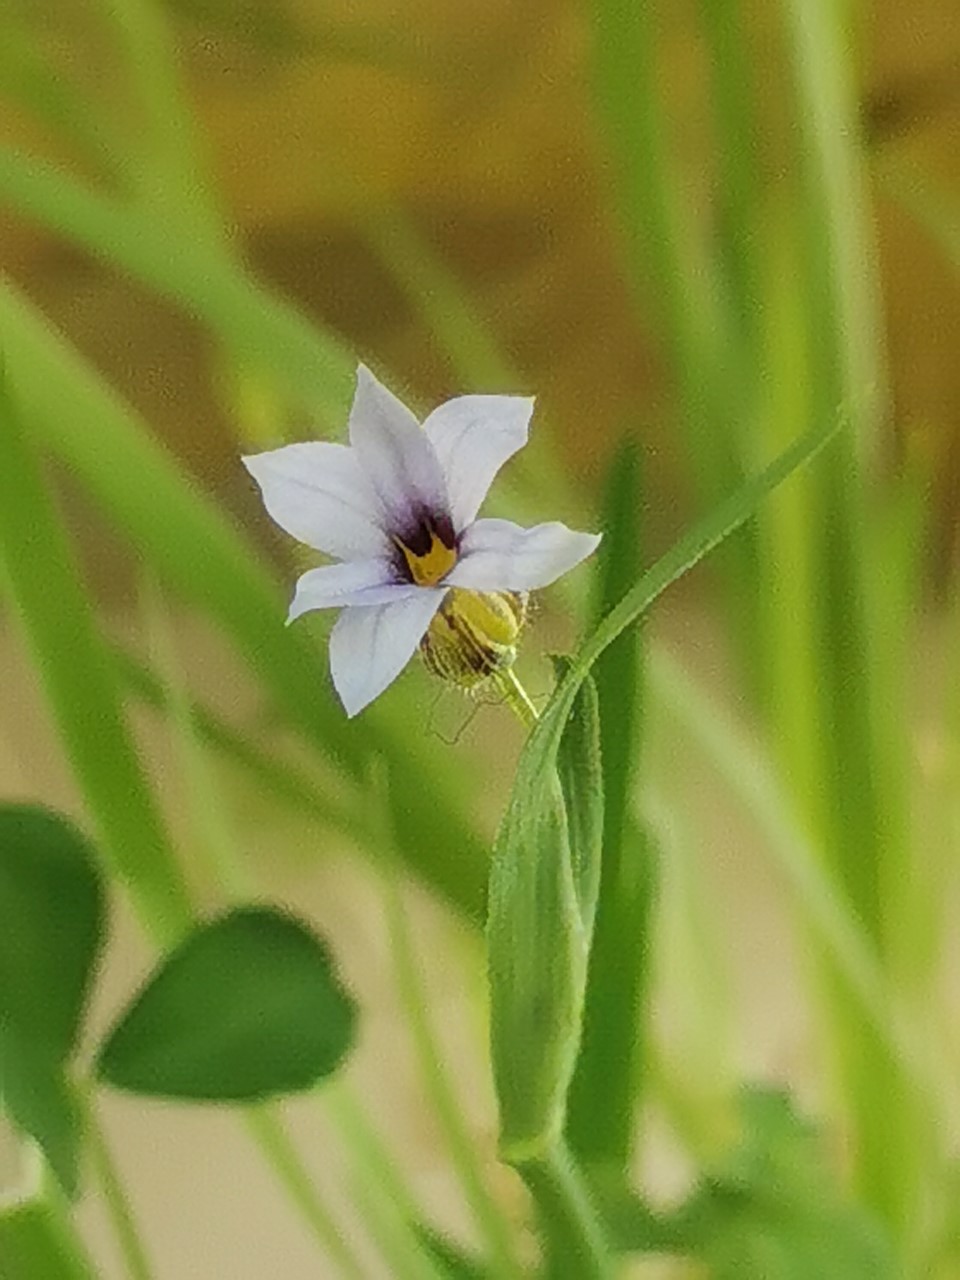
pixel 335 586
pixel 497 555
pixel 395 454
pixel 473 436
pixel 318 493
pixel 370 646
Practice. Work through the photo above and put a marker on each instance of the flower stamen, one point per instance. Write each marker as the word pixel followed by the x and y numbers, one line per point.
pixel 428 562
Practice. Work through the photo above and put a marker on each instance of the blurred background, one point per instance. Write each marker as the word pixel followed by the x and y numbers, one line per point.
pixel 753 225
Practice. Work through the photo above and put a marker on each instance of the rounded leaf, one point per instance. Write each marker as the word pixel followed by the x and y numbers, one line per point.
pixel 247 1007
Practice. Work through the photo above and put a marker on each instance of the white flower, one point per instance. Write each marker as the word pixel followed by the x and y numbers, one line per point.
pixel 398 509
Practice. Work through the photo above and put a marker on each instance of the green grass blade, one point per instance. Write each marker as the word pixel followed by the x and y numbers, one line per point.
pixel 72 661
pixel 737 184
pixel 29 79
pixel 936 211
pixel 677 274
pixel 826 914
pixel 255 325
pixel 285 782
pixel 659 231
pixel 169 171
pixel 862 838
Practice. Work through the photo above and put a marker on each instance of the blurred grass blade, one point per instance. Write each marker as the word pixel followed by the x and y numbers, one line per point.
pixel 255 325
pixel 169 169
pixel 193 549
pixel 674 265
pixel 608 1078
pixel 690 1069
pixel 737 187
pixel 28 78
pixel 660 234
pixel 62 636
pixel 863 840
pixel 828 916
pixel 37 1239
pixel 935 210
pixel 467 1159
pixel 279 778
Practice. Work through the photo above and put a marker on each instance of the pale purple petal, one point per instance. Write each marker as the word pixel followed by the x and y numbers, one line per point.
pixel 334 586
pixel 395 454
pixel 497 555
pixel 318 493
pixel 369 647
pixel 473 436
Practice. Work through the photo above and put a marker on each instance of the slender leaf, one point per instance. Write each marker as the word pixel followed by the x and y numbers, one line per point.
pixel 600 1121
pixel 256 326
pixel 62 634
pixel 936 211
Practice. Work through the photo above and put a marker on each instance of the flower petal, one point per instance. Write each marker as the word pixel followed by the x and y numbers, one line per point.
pixel 497 555
pixel 318 493
pixel 370 646
pixel 396 456
pixel 358 582
pixel 473 436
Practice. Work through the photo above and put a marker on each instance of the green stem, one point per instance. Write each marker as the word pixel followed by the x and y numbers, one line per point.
pixel 116 1200
pixel 273 1139
pixel 575 1245
pixel 444 1101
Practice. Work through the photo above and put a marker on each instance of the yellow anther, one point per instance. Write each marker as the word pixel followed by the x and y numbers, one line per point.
pixel 430 568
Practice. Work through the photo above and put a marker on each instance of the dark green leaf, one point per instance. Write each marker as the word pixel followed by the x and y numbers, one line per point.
pixel 246 1008
pixel 52 908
